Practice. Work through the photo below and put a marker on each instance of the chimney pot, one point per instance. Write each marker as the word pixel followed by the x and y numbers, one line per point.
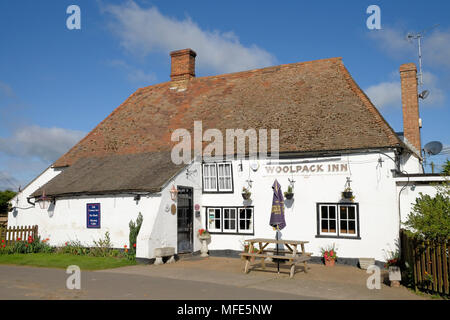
pixel 182 64
pixel 410 105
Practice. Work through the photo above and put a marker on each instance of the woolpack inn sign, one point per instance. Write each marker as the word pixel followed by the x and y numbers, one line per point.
pixel 305 169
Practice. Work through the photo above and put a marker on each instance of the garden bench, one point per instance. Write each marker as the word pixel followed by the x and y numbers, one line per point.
pixel 291 255
pixel 164 252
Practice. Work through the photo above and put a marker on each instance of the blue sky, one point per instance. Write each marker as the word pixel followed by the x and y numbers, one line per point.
pixel 57 84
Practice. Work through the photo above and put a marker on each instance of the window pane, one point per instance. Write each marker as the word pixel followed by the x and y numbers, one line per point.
pixel 242 224
pixel 333 226
pixel 324 225
pixel 241 213
pixel 217 224
pixel 343 227
pixel 332 212
pixel 324 211
pixel 232 224
pixel 351 212
pixel 351 227
pixel 343 213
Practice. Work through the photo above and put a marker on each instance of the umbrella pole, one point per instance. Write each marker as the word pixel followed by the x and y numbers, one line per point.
pixel 278 260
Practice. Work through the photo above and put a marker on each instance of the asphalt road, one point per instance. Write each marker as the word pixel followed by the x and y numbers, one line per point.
pixel 18 282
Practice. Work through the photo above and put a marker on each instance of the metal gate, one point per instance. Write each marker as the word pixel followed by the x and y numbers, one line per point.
pixel 185 218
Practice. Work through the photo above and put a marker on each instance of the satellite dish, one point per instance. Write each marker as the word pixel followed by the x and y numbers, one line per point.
pixel 433 147
pixel 424 94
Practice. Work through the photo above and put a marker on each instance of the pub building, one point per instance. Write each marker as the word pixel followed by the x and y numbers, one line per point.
pixel 331 139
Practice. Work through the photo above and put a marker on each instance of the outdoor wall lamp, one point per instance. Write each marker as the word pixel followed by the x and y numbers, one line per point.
pixel 44 201
pixel 137 197
pixel 173 193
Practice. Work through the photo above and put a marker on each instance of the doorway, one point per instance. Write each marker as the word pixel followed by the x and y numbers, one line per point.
pixel 185 219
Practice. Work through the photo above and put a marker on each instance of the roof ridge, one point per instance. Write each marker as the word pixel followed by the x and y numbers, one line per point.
pixel 231 74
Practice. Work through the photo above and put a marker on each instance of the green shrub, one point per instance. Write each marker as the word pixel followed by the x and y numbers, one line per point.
pixel 430 217
pixel 74 247
pixel 102 247
pixel 134 231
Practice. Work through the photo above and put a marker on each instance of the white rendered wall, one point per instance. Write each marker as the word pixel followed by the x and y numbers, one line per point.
pixel 373 186
pixel 162 230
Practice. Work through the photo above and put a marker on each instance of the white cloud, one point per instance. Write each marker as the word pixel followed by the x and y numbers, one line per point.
pixel 46 144
pixel 6 90
pixel 388 94
pixel 8 182
pixel 142 31
pixel 385 94
pixel 435 45
pixel 134 74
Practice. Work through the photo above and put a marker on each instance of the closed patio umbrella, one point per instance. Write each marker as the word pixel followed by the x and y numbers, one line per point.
pixel 277 220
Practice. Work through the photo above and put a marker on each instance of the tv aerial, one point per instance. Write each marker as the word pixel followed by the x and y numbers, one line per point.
pixel 418 36
pixel 431 149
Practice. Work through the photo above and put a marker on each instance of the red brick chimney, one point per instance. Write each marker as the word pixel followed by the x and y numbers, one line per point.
pixel 183 64
pixel 410 105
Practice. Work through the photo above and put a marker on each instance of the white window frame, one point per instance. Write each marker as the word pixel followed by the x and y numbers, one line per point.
pixel 208 178
pixel 347 220
pixel 250 230
pixel 338 233
pixel 230 220
pixel 237 220
pixel 328 218
pixel 226 175
pixel 214 210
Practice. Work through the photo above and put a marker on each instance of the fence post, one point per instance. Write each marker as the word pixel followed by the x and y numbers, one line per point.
pixel 433 266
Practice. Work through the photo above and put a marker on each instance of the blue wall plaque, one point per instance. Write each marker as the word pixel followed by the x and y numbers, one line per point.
pixel 93 215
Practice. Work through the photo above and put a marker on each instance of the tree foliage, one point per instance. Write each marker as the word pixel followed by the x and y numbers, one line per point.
pixel 446 168
pixel 5 196
pixel 430 216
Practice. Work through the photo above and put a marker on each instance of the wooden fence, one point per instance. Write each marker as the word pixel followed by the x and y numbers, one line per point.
pixel 429 261
pixel 12 234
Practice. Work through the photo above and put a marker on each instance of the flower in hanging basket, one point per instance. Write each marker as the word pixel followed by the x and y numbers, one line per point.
pixel 289 194
pixel 348 194
pixel 246 193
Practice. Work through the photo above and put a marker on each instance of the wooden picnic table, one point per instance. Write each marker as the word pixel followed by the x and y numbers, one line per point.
pixel 292 255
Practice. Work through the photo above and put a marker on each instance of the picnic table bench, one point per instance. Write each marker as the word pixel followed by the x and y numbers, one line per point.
pixel 291 255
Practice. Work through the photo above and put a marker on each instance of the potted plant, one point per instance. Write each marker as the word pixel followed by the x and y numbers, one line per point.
pixel 329 256
pixel 348 194
pixel 289 194
pixel 393 264
pixel 203 234
pixel 246 193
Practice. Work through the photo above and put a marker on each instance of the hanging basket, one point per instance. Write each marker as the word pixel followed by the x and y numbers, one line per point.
pixel 347 194
pixel 289 196
pixel 246 196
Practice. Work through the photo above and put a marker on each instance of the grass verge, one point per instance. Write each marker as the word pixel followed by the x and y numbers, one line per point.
pixel 54 260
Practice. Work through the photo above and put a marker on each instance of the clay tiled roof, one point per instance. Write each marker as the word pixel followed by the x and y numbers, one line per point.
pixel 316 106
